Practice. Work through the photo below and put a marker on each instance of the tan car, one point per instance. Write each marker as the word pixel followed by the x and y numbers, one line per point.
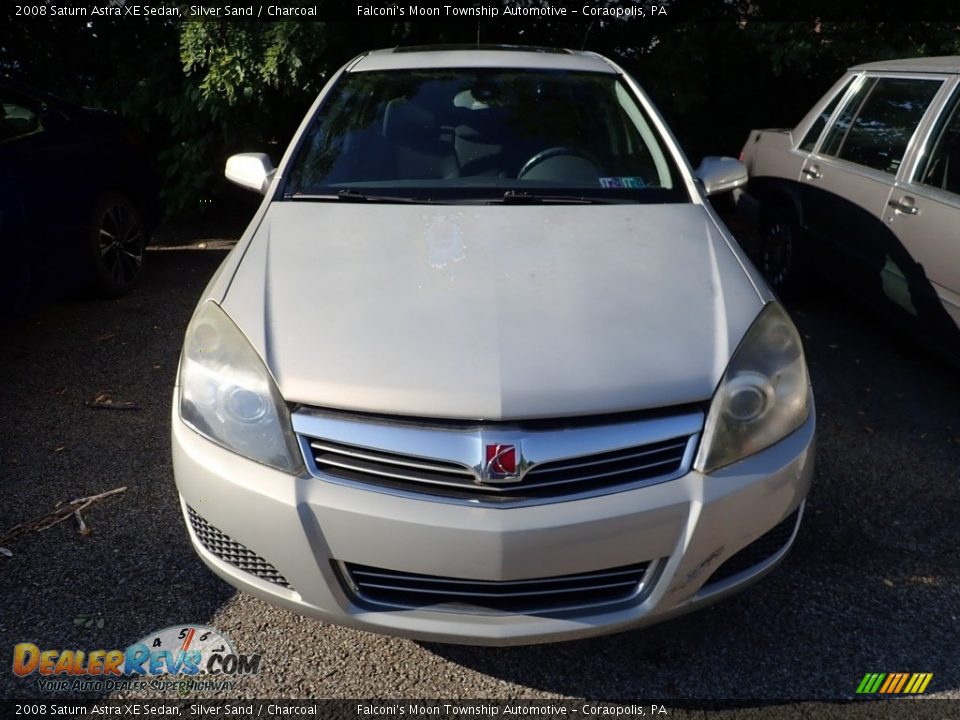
pixel 866 190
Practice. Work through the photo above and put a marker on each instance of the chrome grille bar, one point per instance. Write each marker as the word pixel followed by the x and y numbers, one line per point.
pixel 386 574
pixel 361 465
pixel 472 594
pixel 598 459
pixel 446 461
pixel 382 457
pixel 396 589
pixel 358 463
pixel 665 465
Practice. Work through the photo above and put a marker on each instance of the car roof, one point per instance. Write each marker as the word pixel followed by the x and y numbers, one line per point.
pixel 480 56
pixel 942 64
pixel 24 89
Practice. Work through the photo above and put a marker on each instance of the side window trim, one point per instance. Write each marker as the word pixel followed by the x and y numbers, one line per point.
pixel 864 79
pixel 926 136
pixel 847 98
pixel 847 85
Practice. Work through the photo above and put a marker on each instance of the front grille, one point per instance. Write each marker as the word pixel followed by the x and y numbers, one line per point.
pixel 761 549
pixel 551 479
pixel 609 468
pixel 395 589
pixel 230 551
pixel 355 463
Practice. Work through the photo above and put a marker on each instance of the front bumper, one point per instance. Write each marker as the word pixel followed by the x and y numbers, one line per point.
pixel 302 529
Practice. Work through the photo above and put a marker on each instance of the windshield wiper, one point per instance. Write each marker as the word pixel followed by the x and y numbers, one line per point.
pixel 521 197
pixel 510 197
pixel 357 196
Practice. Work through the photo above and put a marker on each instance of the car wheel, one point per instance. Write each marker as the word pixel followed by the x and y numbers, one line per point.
pixel 118 239
pixel 780 252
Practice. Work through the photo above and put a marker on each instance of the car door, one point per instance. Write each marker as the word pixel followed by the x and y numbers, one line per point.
pixel 846 182
pixel 923 211
pixel 53 172
pixel 19 124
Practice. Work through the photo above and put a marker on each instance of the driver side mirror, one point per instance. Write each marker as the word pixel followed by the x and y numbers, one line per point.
pixel 720 174
pixel 252 171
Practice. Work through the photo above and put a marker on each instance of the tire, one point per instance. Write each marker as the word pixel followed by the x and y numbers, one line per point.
pixel 117 243
pixel 782 252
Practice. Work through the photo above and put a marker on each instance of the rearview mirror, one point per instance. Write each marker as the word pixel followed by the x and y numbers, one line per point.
pixel 719 174
pixel 252 171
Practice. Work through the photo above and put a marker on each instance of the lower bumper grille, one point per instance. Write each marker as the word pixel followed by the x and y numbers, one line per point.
pixel 761 549
pixel 395 589
pixel 230 551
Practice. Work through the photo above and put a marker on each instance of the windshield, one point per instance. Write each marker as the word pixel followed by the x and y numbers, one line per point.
pixel 480 135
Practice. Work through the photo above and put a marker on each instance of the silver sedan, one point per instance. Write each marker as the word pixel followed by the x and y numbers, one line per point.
pixel 486 367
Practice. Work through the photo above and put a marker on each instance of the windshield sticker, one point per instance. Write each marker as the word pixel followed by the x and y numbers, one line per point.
pixel 622 182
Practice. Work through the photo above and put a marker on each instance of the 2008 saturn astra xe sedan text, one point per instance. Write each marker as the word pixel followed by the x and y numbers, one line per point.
pixel 486 367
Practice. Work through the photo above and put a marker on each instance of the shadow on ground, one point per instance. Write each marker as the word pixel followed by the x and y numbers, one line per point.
pixel 135 573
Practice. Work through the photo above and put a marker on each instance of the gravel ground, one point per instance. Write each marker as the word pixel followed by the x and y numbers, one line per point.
pixel 872 585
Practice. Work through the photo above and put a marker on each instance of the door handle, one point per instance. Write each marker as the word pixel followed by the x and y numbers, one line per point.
pixel 905 205
pixel 813 172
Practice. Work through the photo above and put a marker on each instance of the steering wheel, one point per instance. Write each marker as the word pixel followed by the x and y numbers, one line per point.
pixel 583 162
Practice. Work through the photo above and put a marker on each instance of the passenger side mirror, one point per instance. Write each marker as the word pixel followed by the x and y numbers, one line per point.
pixel 720 174
pixel 252 171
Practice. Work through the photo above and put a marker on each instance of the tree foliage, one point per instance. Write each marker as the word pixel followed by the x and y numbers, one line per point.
pixel 200 91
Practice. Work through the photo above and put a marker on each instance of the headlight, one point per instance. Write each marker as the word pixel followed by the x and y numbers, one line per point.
pixel 227 394
pixel 763 396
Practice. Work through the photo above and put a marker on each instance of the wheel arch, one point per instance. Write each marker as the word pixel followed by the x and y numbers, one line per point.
pixel 774 193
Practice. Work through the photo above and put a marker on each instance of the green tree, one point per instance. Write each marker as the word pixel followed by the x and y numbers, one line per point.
pixel 200 91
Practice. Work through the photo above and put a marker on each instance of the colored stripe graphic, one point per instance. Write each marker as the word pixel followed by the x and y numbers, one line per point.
pixel 894 683
pixel 890 683
pixel 903 680
pixel 870 683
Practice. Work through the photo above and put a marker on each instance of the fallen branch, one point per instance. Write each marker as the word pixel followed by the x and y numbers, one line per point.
pixel 105 402
pixel 61 513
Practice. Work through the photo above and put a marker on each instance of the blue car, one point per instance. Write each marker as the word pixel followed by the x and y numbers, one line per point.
pixel 78 199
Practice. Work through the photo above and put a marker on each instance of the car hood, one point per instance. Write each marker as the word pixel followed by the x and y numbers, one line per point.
pixel 492 312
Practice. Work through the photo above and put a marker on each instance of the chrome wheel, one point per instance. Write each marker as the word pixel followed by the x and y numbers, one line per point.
pixel 120 238
pixel 117 241
pixel 778 252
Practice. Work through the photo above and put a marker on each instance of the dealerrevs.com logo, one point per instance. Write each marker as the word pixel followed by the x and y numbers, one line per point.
pixel 184 652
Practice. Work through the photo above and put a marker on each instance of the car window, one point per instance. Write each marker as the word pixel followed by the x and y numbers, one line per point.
pixel 876 126
pixel 809 141
pixel 17 118
pixel 941 167
pixel 476 133
pixel 838 131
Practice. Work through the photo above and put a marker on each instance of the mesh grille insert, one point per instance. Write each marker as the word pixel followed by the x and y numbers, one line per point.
pixel 761 549
pixel 230 551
